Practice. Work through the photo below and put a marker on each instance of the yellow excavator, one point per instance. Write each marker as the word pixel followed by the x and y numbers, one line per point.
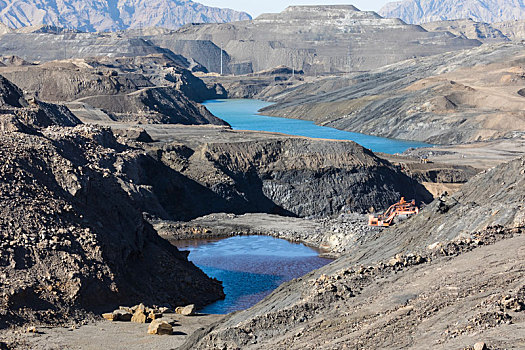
pixel 400 208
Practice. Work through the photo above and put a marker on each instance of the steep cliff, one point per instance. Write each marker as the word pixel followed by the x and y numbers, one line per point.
pixel 319 39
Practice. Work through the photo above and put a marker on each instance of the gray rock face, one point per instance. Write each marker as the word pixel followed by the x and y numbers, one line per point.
pixel 320 39
pixel 468 28
pixel 423 11
pixel 276 175
pixel 49 47
pixel 98 15
pixel 514 30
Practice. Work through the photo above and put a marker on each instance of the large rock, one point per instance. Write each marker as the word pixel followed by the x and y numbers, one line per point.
pixel 139 317
pixel 118 315
pixel 480 346
pixel 188 310
pixel 160 327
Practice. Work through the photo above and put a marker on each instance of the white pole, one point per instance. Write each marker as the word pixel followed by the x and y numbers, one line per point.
pixel 293 68
pixel 220 46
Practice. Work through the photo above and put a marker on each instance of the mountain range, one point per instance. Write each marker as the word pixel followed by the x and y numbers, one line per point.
pixel 111 15
pixel 424 11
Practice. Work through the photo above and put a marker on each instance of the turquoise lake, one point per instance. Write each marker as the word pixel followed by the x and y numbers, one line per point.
pixel 250 267
pixel 241 114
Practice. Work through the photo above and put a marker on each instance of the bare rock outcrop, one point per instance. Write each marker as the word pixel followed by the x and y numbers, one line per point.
pixel 468 28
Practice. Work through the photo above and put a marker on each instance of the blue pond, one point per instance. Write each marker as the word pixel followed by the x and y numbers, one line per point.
pixel 251 267
pixel 241 114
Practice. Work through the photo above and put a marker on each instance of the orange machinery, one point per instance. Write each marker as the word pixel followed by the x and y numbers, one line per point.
pixel 400 208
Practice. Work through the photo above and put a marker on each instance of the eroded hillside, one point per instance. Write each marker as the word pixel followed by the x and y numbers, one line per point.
pixel 460 97
pixel 73 239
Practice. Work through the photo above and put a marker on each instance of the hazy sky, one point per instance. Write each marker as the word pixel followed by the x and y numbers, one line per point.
pixel 255 8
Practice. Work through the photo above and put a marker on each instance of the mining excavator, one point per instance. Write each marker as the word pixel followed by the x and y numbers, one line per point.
pixel 400 208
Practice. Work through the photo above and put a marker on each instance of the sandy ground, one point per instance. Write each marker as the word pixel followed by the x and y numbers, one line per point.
pixel 115 335
pixel 481 155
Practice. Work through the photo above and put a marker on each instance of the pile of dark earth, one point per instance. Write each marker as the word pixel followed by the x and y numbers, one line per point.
pixel 72 236
pixel 144 89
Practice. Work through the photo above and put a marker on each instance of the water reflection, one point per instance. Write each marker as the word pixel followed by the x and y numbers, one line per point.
pixel 251 267
pixel 242 115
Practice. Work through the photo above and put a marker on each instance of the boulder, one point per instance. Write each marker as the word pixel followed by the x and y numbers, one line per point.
pixel 160 327
pixel 139 317
pixel 128 309
pixel 188 310
pixel 154 315
pixel 118 315
pixel 165 310
pixel 122 315
pixel 480 346
pixel 108 316
pixel 139 307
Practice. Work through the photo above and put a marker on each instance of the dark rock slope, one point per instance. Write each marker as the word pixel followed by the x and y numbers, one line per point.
pixel 146 89
pixel 72 239
pixel 451 277
pixel 275 174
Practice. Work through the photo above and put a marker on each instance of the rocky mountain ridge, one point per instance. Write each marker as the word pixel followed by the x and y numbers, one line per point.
pixel 97 15
pixel 484 32
pixel 469 28
pixel 424 11
pixel 145 89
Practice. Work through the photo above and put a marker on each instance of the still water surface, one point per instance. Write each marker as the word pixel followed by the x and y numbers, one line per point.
pixel 241 114
pixel 251 267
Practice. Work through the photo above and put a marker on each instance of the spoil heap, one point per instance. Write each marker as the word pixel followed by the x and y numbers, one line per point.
pixel 71 237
